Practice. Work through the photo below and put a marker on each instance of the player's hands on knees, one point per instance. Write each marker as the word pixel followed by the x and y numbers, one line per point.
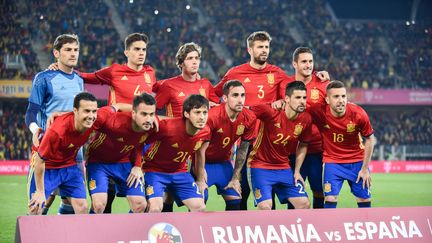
pixel 323 75
pixel 53 67
pixel 136 177
pixel 202 186
pixel 278 105
pixel 364 174
pixel 298 178
pixel 234 184
pixel 35 137
pixel 37 203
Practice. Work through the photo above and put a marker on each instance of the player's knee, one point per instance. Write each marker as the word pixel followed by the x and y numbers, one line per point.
pixel 98 206
pixel 154 208
pixel 80 207
pixel 303 204
pixel 138 206
pixel 264 206
pixel 198 207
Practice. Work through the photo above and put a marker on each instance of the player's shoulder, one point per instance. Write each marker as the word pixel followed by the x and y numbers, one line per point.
pixel 148 68
pixel 274 68
pixel 306 117
pixel 61 122
pixel 356 110
pixel 238 69
pixel 45 76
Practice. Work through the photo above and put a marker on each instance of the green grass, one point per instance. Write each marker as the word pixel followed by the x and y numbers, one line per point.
pixel 388 190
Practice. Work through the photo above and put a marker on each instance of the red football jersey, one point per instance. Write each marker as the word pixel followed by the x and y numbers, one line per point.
pixel 261 85
pixel 125 82
pixel 342 136
pixel 117 142
pixel 172 92
pixel 224 132
pixel 173 148
pixel 316 93
pixel 61 142
pixel 276 135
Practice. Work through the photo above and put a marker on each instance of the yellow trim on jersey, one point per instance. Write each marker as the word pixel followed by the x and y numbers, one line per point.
pixel 96 143
pixel 169 110
pixel 153 150
pixel 113 95
pixel 257 143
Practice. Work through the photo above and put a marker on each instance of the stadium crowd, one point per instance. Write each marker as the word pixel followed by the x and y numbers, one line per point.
pixel 366 54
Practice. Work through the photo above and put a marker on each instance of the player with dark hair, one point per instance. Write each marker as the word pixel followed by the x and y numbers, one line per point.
pixel 171 93
pixel 343 127
pixel 54 164
pixel 303 63
pixel 119 142
pixel 278 131
pixel 166 167
pixel 228 122
pixel 54 91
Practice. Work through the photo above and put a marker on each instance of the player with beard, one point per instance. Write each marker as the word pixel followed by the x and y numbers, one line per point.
pixel 343 127
pixel 165 162
pixel 303 63
pixel 228 122
pixel 117 143
pixel 278 131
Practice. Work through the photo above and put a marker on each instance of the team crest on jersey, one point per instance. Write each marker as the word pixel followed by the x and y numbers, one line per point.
pixel 92 185
pixel 270 79
pixel 247 80
pixel 327 187
pixel 240 130
pixel 298 129
pixel 277 125
pixel 257 194
pixel 198 145
pixel 220 130
pixel 149 190
pixel 314 94
pixel 147 78
pixel 143 138
pixel 351 127
pixel 202 92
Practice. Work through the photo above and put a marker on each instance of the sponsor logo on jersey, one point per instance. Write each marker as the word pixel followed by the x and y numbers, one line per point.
pixel 327 126
pixel 277 125
pixel 120 139
pixel 124 77
pixel 220 130
pixel 175 145
pixel 71 145
pixel 247 80
pixel 181 94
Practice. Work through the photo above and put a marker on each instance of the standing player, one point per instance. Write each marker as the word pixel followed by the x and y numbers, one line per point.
pixel 261 81
pixel 55 91
pixel 165 163
pixel 228 122
pixel 172 92
pixel 278 131
pixel 311 170
pixel 55 163
pixel 345 157
pixel 118 142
